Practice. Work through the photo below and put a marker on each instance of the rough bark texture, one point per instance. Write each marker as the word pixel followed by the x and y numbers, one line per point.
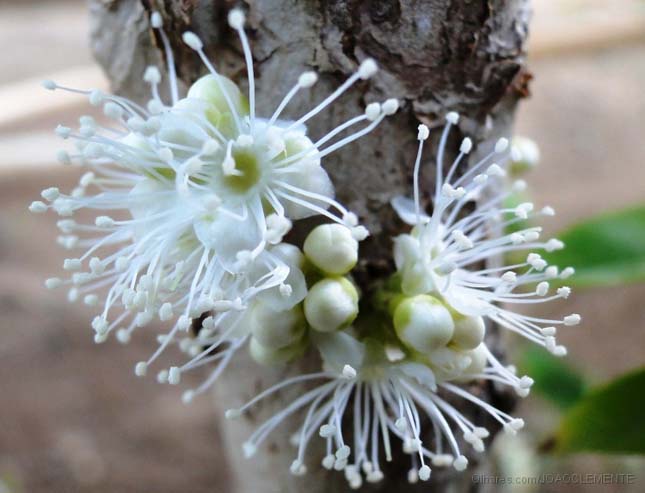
pixel 435 56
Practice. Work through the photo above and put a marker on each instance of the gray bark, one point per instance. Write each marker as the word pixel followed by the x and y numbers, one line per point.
pixel 435 56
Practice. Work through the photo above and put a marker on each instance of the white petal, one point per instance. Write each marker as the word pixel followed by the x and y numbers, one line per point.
pixel 227 235
pixel 295 279
pixel 406 250
pixel 466 302
pixel 339 349
pixel 310 177
pixel 421 373
pixel 404 207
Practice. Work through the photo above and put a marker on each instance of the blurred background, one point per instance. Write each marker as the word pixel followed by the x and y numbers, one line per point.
pixel 72 415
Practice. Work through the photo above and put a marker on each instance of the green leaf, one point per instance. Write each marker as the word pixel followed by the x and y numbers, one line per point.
pixel 554 379
pixel 608 419
pixel 605 250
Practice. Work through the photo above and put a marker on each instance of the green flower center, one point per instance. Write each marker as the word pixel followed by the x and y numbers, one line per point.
pixel 248 165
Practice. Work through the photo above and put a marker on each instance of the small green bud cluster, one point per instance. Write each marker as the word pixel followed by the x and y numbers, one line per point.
pixel 449 342
pixel 276 336
pixel 278 330
pixel 279 333
pixel 332 302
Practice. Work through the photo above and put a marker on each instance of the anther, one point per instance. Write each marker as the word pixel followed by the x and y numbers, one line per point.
pixel 423 133
pixel 452 117
pixel 307 79
pixel 372 111
pixel 349 372
pixel 466 145
pixel 192 40
pixel 141 368
pixel 390 106
pixel 367 69
pixel 501 145
pixel 236 19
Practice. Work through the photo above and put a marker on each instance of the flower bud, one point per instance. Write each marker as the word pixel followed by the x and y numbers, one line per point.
pixel 211 90
pixel 332 248
pixel 276 329
pixel 448 363
pixel 272 357
pixel 331 304
pixel 525 154
pixel 478 359
pixel 469 332
pixel 423 323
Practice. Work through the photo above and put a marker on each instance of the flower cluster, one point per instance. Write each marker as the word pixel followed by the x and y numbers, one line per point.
pixel 201 193
pixel 387 378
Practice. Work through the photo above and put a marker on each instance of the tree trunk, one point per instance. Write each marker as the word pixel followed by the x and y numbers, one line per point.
pixel 435 56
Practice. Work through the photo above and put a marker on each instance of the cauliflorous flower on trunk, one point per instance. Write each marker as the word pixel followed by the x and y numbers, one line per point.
pixel 189 195
pixel 373 398
pixel 457 257
pixel 395 373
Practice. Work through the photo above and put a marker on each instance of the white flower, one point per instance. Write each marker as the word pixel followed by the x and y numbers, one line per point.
pixel 454 254
pixel 189 194
pixel 227 325
pixel 366 401
pixel 388 375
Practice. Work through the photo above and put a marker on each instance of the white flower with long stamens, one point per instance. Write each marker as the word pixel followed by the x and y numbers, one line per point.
pixel 226 327
pixel 387 377
pixel 453 253
pixel 190 194
pixel 365 402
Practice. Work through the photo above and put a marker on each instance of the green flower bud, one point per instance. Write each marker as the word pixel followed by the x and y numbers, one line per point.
pixel 331 304
pixel 469 332
pixel 218 111
pixel 276 329
pixel 332 248
pixel 423 323
pixel 273 357
pixel 208 89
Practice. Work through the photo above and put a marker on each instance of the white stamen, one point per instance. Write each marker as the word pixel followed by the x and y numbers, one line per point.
pixel 423 132
pixel 501 145
pixel 192 40
pixel 372 111
pixel 367 69
pixel 152 75
pixel 141 368
pixel 155 20
pixel 236 19
pixel 452 118
pixel 349 372
pixel 390 106
pixel 466 145
pixel 307 79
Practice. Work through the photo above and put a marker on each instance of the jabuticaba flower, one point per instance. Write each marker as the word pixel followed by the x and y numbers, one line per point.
pixel 370 395
pixel 190 195
pixel 453 255
pixel 386 377
pixel 192 200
